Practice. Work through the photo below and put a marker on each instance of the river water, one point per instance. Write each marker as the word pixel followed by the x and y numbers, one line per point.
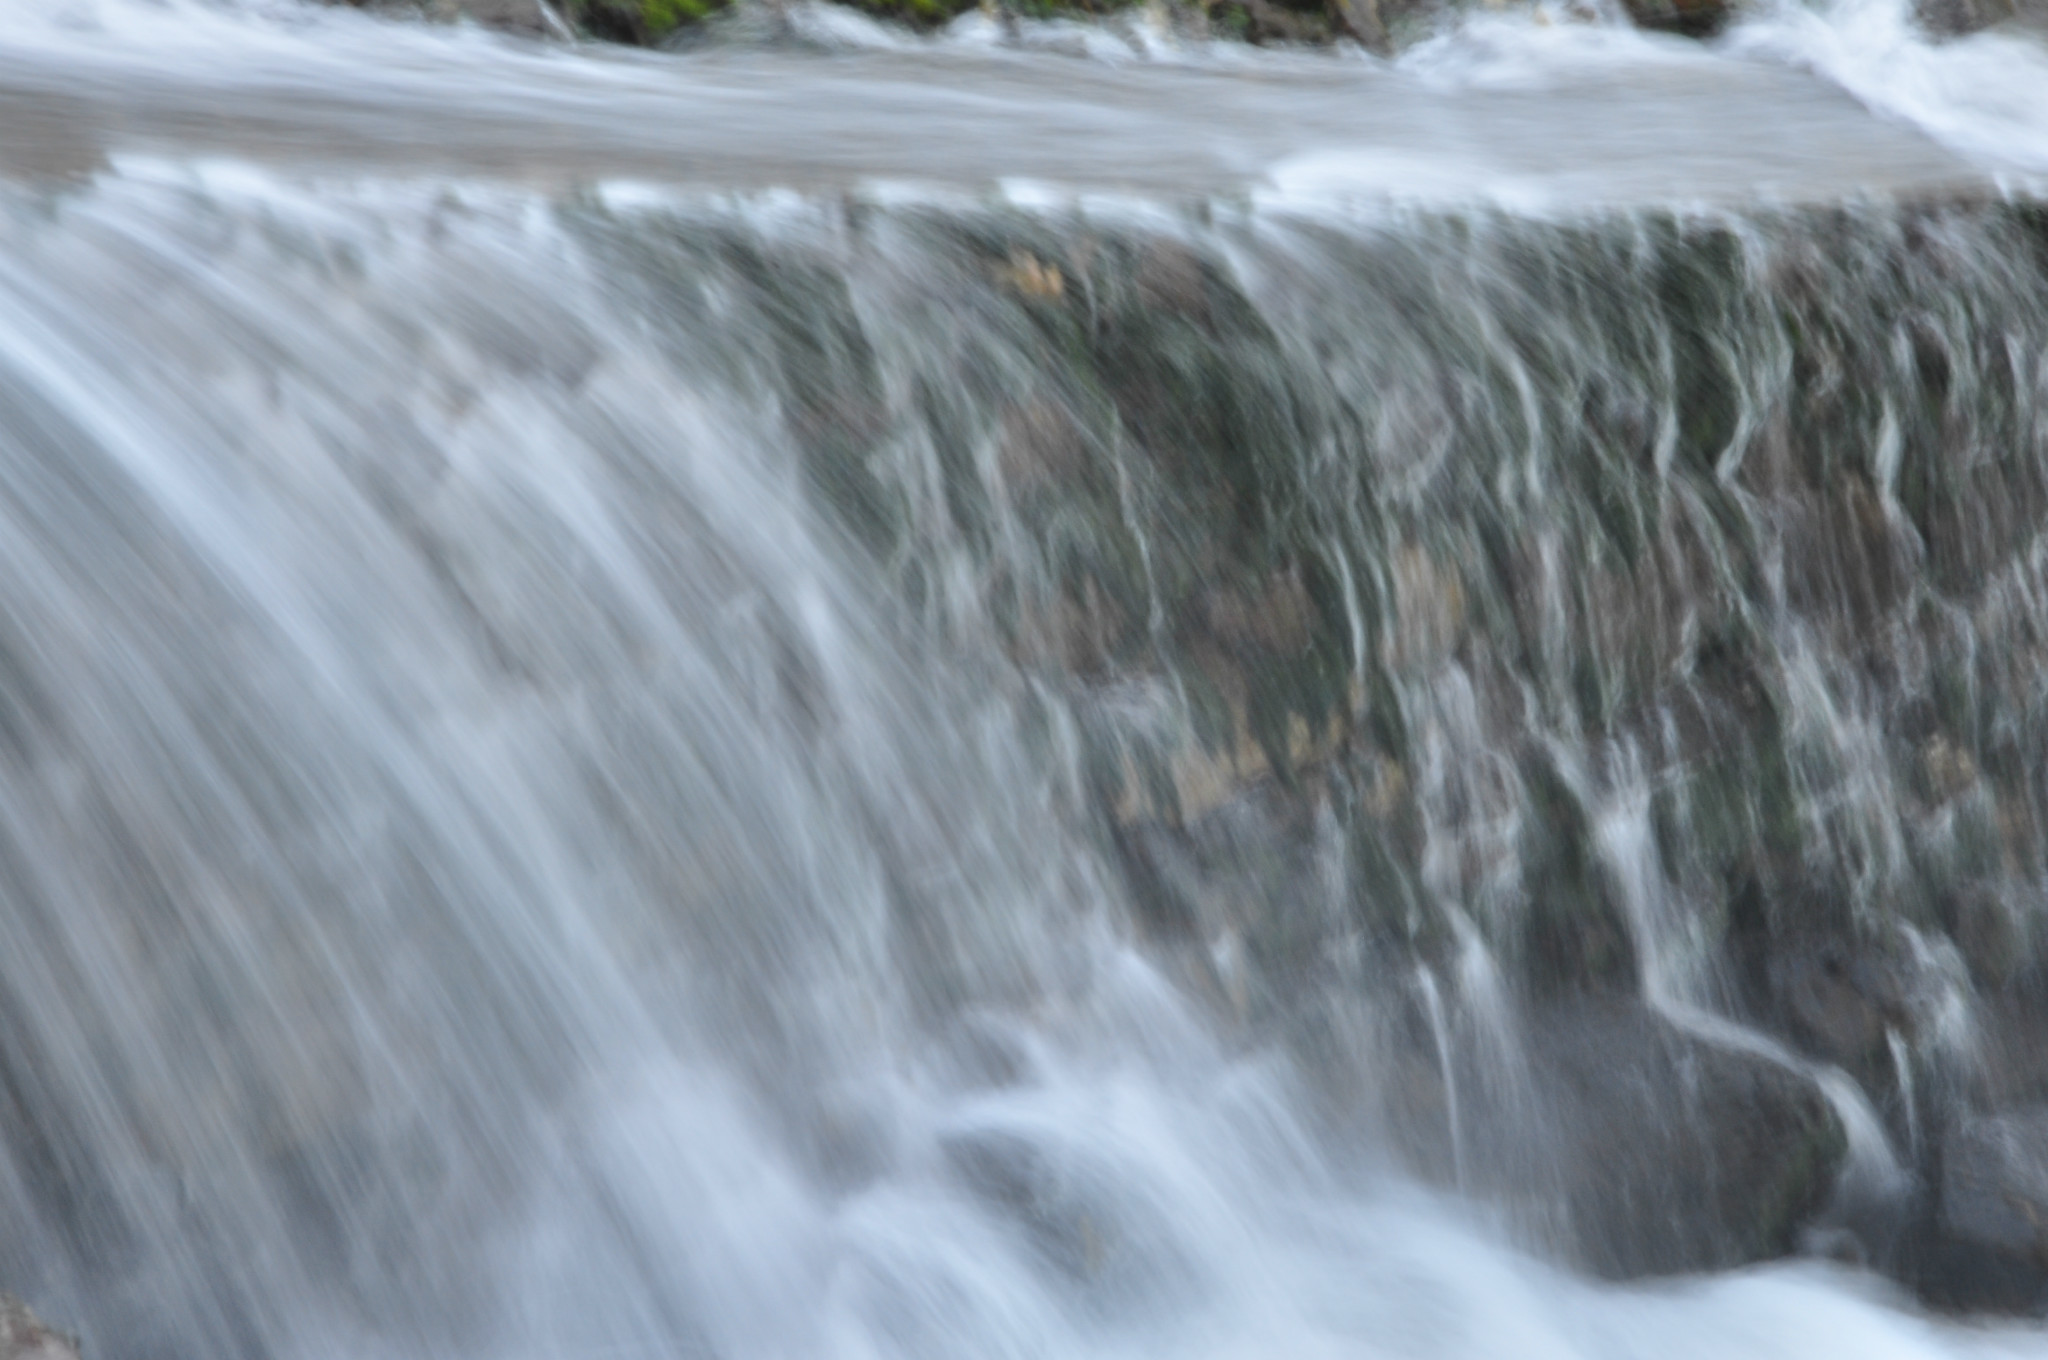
pixel 551 752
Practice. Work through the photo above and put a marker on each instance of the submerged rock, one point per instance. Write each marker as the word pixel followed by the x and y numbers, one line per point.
pixel 24 1337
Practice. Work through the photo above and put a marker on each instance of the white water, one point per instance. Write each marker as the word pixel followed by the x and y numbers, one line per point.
pixel 1533 114
pixel 1447 1060
pixel 1674 986
pixel 700 965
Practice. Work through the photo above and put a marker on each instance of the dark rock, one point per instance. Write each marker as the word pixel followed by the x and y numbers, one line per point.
pixel 2027 16
pixel 1953 18
pixel 1675 1154
pixel 1987 1244
pixel 1575 933
pixel 1988 933
pixel 24 1337
pixel 2012 1048
pixel 1806 971
pixel 1692 18
pixel 1363 21
pixel 1838 999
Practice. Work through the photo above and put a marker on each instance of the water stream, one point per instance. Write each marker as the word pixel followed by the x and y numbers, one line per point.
pixel 839 697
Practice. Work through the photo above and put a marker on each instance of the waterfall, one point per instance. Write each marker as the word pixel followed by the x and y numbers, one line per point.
pixel 1440 1033
pixel 1902 1065
pixel 1088 714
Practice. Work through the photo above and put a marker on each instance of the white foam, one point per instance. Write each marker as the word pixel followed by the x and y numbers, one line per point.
pixel 1985 95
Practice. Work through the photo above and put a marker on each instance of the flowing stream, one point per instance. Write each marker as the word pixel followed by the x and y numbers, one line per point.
pixel 875 697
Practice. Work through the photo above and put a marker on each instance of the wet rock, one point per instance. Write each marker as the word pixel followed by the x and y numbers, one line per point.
pixel 1676 1154
pixel 1953 18
pixel 1429 607
pixel 1043 448
pixel 1809 974
pixel 1082 1215
pixel 1248 872
pixel 1989 930
pixel 2011 1048
pixel 1692 18
pixel 1363 21
pixel 1838 1001
pixel 24 1337
pixel 1946 769
pixel 531 18
pixel 1575 933
pixel 1171 278
pixel 1987 1244
pixel 1273 617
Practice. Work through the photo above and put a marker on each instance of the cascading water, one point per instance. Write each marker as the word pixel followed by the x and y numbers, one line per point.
pixel 1440 1033
pixel 632 727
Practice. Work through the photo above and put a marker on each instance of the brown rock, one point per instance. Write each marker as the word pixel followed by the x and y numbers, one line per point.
pixel 1027 274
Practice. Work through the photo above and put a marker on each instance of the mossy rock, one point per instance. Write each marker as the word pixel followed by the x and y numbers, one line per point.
pixel 642 23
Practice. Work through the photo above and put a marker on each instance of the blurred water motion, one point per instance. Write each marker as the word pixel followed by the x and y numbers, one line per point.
pixel 1211 705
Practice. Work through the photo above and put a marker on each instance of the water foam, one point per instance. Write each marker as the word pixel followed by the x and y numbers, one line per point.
pixel 1985 94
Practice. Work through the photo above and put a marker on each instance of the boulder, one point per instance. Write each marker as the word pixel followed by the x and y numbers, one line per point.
pixel 1985 1246
pixel 1675 1154
pixel 24 1337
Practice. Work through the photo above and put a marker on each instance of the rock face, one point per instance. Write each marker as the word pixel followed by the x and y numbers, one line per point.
pixel 1419 784
pixel 1618 1140
pixel 24 1337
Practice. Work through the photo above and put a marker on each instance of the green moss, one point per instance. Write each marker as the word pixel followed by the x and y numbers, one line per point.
pixel 1230 21
pixel 642 22
pixel 920 13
